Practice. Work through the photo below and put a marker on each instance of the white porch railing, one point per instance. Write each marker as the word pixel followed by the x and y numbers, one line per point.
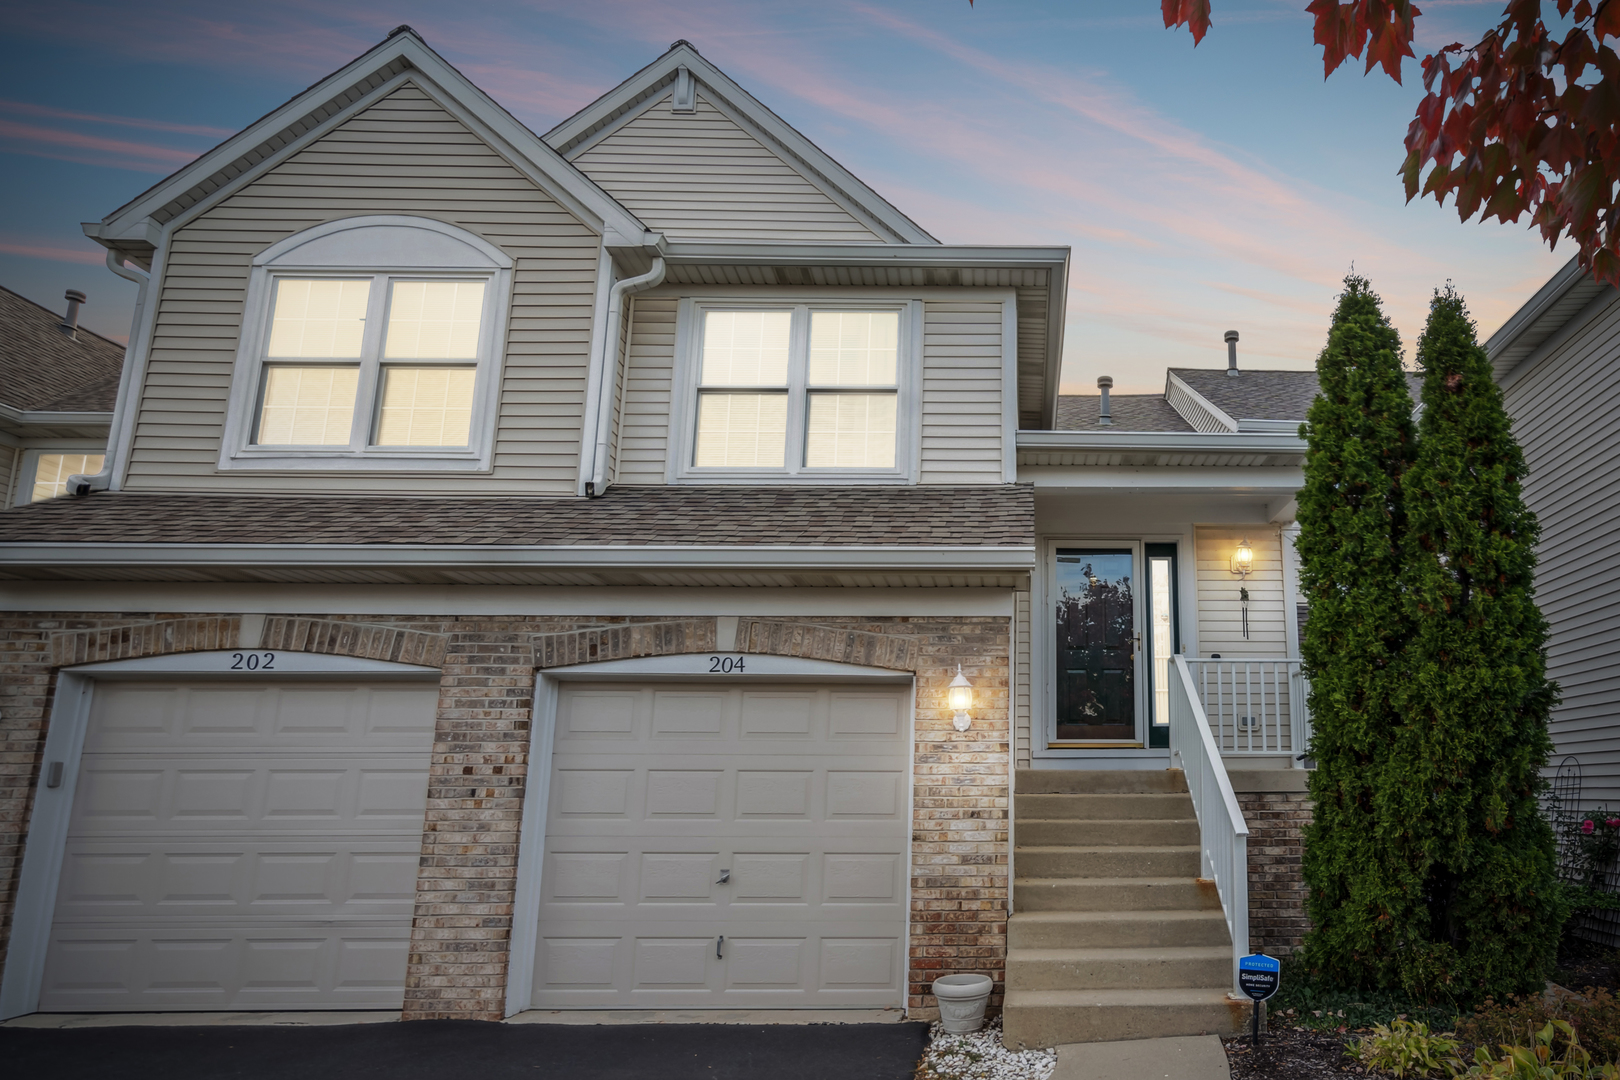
pixel 1255 705
pixel 1223 835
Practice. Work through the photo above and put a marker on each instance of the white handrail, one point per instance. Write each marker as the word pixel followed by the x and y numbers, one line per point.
pixel 1223 834
pixel 1255 705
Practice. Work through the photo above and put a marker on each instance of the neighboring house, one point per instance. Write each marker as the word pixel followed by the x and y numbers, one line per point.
pixel 1558 363
pixel 540 572
pixel 58 382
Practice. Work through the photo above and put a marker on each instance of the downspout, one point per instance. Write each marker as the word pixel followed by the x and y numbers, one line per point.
pixel 80 484
pixel 609 396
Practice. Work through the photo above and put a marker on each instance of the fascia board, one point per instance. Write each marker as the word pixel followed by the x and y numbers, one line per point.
pixel 447 556
pixel 1523 319
pixel 607 211
pixel 1218 479
pixel 42 417
pixel 985 256
pixel 778 130
pixel 1056 311
pixel 1572 326
pixel 1174 442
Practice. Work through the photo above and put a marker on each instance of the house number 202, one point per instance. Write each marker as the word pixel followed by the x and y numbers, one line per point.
pixel 253 661
pixel 725 665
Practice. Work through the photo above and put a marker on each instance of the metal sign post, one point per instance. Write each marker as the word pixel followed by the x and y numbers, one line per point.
pixel 1258 976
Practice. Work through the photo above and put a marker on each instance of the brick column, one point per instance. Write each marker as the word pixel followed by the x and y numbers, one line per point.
pixel 464 891
pixel 1277 820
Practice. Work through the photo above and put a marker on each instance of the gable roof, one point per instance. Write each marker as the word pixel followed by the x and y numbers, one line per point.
pixel 646 87
pixel 44 369
pixel 1254 394
pixel 135 227
pixel 1130 412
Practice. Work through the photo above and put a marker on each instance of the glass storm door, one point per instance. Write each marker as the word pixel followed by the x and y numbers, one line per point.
pixel 1096 644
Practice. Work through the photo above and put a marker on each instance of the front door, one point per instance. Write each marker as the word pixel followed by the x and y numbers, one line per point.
pixel 1096 644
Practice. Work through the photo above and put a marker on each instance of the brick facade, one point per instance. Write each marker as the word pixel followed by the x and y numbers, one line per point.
pixel 479 765
pixel 1276 820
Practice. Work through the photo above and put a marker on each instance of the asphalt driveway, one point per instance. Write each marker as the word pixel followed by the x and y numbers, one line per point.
pixel 469 1050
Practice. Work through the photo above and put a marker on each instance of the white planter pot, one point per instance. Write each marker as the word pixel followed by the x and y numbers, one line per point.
pixel 961 1002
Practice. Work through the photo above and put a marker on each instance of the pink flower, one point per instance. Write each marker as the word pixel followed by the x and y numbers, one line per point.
pixel 1613 823
pixel 1586 828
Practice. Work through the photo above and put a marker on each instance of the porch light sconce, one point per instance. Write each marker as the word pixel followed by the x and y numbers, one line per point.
pixel 1243 559
pixel 960 696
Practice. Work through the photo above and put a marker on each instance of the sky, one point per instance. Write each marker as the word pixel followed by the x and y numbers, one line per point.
pixel 1223 187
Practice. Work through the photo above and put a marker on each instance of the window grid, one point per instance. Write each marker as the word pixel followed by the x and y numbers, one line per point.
pixel 377 404
pixel 832 373
pixel 51 472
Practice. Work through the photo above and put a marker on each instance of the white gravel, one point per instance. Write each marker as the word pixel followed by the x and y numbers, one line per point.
pixel 980 1056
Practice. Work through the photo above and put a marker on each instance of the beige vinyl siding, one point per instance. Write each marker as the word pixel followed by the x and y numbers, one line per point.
pixel 616 389
pixel 402 155
pixel 961 393
pixel 701 176
pixel 1021 695
pixel 1220 618
pixel 1564 417
pixel 10 462
pixel 649 381
pixel 1032 329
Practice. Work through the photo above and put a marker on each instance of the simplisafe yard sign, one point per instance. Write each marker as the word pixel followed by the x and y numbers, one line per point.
pixel 1258 975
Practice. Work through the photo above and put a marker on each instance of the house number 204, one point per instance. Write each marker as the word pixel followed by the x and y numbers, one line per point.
pixel 725 665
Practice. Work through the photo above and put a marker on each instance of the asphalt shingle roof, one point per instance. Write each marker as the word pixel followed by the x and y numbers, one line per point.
pixel 1130 412
pixel 42 368
pixel 1254 395
pixel 990 516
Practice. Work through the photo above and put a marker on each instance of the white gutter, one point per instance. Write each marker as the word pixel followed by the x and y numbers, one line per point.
pixel 80 484
pixel 972 557
pixel 1220 442
pixel 608 397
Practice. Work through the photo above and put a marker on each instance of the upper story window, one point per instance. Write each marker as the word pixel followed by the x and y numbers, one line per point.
pixel 391 368
pixel 809 391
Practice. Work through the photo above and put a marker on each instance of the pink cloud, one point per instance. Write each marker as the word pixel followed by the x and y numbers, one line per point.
pixel 79 141
pixel 54 252
pixel 29 109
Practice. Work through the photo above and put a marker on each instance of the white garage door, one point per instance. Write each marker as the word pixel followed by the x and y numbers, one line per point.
pixel 242 847
pixel 774 817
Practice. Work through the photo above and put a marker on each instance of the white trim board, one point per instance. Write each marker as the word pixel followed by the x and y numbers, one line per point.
pixel 513 600
pixel 43 849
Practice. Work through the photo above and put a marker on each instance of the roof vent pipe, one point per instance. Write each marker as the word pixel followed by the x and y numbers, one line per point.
pixel 1231 352
pixel 1105 383
pixel 70 321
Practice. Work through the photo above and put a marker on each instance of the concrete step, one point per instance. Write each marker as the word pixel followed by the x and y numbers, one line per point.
pixel 1097 781
pixel 1159 806
pixel 1117 929
pixel 1032 893
pixel 1043 1018
pixel 1171 832
pixel 1117 861
pixel 1141 968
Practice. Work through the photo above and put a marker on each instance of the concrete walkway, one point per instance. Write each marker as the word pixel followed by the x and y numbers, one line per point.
pixel 1191 1057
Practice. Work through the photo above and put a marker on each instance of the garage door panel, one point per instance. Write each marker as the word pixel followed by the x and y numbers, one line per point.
pixel 157 717
pixel 180 882
pixel 242 846
pixel 798 794
pixel 139 793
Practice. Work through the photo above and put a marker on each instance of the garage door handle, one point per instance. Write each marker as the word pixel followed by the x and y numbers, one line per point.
pixel 725 876
pixel 719 941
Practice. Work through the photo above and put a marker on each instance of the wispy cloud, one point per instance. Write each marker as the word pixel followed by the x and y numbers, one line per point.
pixel 30 109
pixel 53 252
pixel 93 149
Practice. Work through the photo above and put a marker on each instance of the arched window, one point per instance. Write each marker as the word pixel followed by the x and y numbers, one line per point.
pixel 370 343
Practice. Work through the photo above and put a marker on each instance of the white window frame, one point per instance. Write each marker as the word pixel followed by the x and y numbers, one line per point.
pixel 688 370
pixel 22 484
pixel 384 248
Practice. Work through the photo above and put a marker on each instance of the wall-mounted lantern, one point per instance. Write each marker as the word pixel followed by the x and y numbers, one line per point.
pixel 960 698
pixel 1243 559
